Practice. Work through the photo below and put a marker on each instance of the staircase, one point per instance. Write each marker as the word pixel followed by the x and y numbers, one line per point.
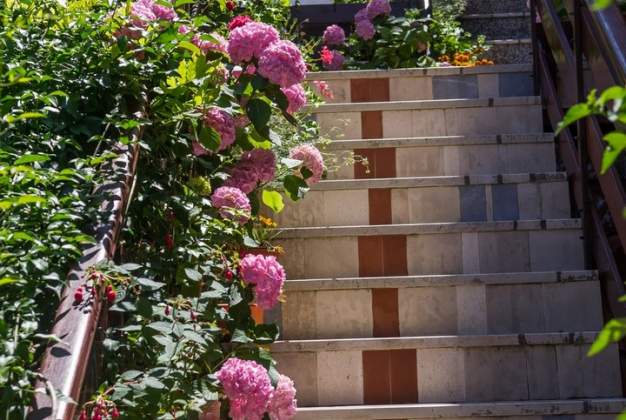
pixel 445 279
pixel 505 24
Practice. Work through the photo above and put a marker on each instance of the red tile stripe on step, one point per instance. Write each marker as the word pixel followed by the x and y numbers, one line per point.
pixel 390 377
pixel 369 90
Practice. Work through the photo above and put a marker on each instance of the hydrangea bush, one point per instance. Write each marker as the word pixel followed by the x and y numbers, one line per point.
pixel 193 257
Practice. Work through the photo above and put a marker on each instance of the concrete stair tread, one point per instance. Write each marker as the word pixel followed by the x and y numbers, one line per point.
pixel 448 410
pixel 428 228
pixel 461 140
pixel 440 280
pixel 438 181
pixel 435 342
pixel 418 72
pixel 427 104
pixel 495 15
pixel 510 41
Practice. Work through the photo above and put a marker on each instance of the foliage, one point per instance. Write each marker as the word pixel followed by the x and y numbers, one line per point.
pixel 72 79
pixel 414 40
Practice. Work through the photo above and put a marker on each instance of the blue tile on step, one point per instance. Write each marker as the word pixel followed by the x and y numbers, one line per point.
pixel 504 202
pixel 473 203
pixel 454 87
pixel 515 84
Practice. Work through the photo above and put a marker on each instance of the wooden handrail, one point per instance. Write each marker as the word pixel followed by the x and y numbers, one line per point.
pixel 65 363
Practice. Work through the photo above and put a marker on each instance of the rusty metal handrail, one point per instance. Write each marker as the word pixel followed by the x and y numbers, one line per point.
pixel 551 43
pixel 65 363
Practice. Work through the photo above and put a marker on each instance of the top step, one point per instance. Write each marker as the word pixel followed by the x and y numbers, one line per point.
pixel 495 6
pixel 428 83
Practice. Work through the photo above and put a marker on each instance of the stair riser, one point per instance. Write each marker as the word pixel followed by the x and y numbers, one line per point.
pixel 516 53
pixel 467 203
pixel 454 375
pixel 495 6
pixel 499 27
pixel 447 310
pixel 350 125
pixel 426 161
pixel 440 253
pixel 416 85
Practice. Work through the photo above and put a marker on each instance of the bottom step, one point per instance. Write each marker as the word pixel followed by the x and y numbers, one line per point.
pixel 591 409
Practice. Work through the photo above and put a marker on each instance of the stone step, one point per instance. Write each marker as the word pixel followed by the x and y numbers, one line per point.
pixel 512 25
pixel 441 156
pixel 432 248
pixel 448 369
pixel 442 117
pixel 441 305
pixel 495 6
pixel 427 83
pixel 589 409
pixel 431 199
pixel 510 51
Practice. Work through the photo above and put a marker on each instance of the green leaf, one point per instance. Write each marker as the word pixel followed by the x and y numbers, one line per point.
pixel 259 112
pixel 189 46
pixel 149 284
pixel 153 383
pixel 240 336
pixel 616 145
pixel 30 115
pixel 273 200
pixel 7 280
pixel 29 158
pixel 575 113
pixel 295 187
pixel 192 274
pixel 611 94
pixel 209 138
pixel 612 332
pixel 291 163
pixel 601 4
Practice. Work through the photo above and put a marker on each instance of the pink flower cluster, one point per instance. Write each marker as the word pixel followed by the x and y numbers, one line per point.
pixel 148 10
pixel 296 96
pixel 232 204
pixel 332 59
pixel 334 35
pixel 254 167
pixel 378 7
pixel 247 386
pixel 282 64
pixel 219 45
pixel 249 390
pixel 311 159
pixel 223 123
pixel 365 29
pixel 283 404
pixel 267 275
pixel 279 61
pixel 250 40
pixel 323 89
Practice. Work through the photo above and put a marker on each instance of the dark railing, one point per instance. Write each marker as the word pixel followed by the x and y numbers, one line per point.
pixel 314 18
pixel 65 363
pixel 576 50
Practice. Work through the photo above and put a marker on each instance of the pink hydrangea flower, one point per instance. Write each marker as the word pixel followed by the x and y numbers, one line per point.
pixel 323 89
pixel 198 149
pixel 361 15
pixel 148 10
pixel 232 204
pixel 248 387
pixel 255 166
pixel 282 63
pixel 223 123
pixel 311 159
pixel 283 404
pixel 334 35
pixel 242 121
pixel 296 96
pixel 250 41
pixel 251 69
pixel 184 29
pixel 267 275
pixel 365 29
pixel 238 21
pixel 336 61
pixel 378 7
pixel 219 45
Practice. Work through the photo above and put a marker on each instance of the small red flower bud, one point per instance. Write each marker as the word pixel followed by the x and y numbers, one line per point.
pixel 115 413
pixel 167 310
pixel 78 295
pixel 230 5
pixel 193 316
pixel 96 417
pixel 169 242
pixel 83 415
pixel 229 275
pixel 111 296
pixel 108 289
